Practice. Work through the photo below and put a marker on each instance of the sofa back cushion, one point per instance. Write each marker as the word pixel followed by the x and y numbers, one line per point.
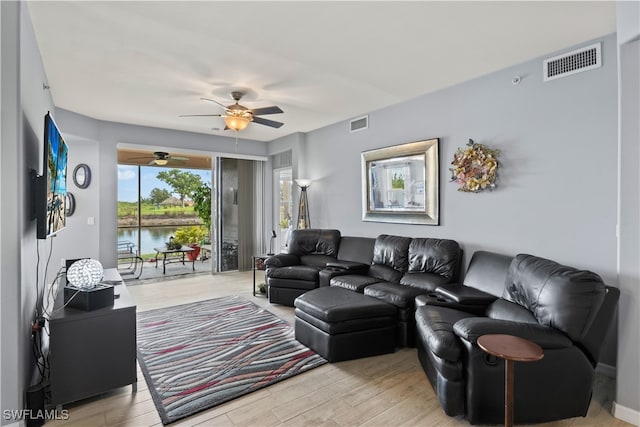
pixel 390 258
pixel 558 296
pixel 487 271
pixel 392 252
pixel 314 242
pixel 436 256
pixel 357 249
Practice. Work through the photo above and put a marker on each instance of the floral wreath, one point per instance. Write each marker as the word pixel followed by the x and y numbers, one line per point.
pixel 475 168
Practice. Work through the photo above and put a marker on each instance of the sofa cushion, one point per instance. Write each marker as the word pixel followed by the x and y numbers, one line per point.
pixel 356 249
pixel 314 242
pixel 437 256
pixel 506 310
pixel 353 282
pixel 487 271
pixel 435 326
pixel 424 281
pixel 297 272
pixel 337 305
pixel 558 296
pixel 384 273
pixel 392 251
pixel 399 295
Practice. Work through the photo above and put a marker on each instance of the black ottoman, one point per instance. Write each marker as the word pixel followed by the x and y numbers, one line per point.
pixel 340 324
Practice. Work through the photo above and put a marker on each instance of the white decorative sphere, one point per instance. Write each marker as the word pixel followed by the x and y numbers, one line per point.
pixel 85 273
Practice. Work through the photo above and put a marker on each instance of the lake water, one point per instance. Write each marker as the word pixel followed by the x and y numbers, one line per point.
pixel 151 237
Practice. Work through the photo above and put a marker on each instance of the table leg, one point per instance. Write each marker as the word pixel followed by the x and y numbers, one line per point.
pixel 164 263
pixel 157 253
pixel 508 393
pixel 254 276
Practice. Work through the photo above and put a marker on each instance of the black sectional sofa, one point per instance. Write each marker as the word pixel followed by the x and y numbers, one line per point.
pixel 566 311
pixel 393 269
pixel 354 287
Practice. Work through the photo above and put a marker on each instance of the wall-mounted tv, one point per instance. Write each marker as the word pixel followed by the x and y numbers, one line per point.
pixel 51 188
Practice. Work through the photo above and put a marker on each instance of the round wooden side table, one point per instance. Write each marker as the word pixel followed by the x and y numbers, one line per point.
pixel 511 349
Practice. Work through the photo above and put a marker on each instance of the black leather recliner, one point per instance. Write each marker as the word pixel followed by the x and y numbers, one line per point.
pixel 292 274
pixel 564 310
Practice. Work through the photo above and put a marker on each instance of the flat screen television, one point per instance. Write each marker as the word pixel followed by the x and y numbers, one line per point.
pixel 51 188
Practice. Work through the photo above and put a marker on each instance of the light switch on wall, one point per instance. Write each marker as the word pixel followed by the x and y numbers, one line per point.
pixel 91 220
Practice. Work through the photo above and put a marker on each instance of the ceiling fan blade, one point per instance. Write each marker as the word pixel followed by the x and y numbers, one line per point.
pixel 199 115
pixel 215 102
pixel 267 110
pixel 267 122
pixel 152 162
pixel 178 158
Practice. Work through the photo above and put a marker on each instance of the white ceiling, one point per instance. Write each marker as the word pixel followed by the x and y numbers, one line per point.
pixel 322 62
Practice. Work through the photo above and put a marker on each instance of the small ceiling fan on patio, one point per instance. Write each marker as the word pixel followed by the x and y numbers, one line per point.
pixel 161 158
pixel 237 117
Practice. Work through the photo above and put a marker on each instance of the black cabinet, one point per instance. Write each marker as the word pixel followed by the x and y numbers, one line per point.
pixel 91 352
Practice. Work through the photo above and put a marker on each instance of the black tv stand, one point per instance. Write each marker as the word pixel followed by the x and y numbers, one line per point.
pixel 91 352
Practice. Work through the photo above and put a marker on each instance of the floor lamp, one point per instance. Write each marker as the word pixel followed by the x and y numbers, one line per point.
pixel 303 207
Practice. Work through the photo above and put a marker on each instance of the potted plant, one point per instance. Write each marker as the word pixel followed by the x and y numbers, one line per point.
pixel 191 236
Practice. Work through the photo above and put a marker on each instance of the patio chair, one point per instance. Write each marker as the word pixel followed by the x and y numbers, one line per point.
pixel 128 252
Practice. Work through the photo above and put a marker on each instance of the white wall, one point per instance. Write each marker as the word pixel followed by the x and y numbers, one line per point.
pixel 556 195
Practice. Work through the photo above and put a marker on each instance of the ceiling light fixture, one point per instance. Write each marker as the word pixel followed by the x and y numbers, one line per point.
pixel 237 120
pixel 161 162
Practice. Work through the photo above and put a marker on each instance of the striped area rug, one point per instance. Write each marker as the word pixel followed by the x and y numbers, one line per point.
pixel 195 356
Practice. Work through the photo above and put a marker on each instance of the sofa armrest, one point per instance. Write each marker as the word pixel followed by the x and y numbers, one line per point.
pixel 351 266
pixel 282 260
pixel 327 274
pixel 472 328
pixel 466 295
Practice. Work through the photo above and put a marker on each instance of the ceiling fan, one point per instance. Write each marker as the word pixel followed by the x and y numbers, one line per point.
pixel 237 117
pixel 161 158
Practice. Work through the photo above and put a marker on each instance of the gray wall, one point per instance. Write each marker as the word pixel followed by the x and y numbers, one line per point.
pixel 627 403
pixel 101 140
pixel 24 104
pixel 556 195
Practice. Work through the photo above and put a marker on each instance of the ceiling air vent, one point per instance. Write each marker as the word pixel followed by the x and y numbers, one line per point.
pixel 359 124
pixel 577 61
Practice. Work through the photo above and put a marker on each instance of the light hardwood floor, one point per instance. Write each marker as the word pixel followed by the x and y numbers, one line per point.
pixel 388 390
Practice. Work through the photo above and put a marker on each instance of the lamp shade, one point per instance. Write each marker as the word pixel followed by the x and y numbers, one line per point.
pixel 161 162
pixel 85 273
pixel 236 123
pixel 303 183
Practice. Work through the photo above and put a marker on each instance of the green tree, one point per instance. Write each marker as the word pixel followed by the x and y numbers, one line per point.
pixel 202 204
pixel 183 183
pixel 158 195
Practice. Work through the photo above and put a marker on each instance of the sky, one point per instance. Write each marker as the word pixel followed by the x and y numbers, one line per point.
pixel 128 181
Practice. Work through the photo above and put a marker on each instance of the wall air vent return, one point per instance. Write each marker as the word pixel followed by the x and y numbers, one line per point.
pixel 577 61
pixel 282 160
pixel 360 123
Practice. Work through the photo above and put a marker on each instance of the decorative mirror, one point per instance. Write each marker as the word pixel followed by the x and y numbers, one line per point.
pixel 82 176
pixel 70 204
pixel 400 183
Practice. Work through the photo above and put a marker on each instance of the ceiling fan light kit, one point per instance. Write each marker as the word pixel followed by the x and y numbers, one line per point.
pixel 237 117
pixel 238 121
